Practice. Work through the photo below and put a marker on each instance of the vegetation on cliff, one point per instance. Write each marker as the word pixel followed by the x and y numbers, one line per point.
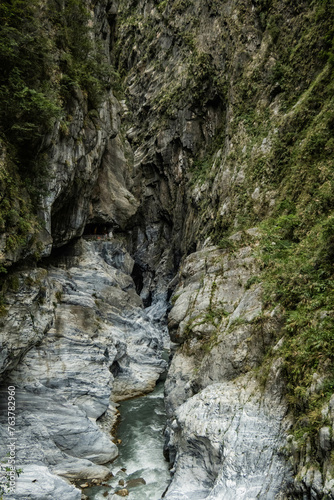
pixel 255 80
pixel 298 229
pixel 48 53
pixel 268 161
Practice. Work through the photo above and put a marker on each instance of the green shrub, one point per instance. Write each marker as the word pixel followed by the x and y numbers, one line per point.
pixel 299 275
pixel 48 52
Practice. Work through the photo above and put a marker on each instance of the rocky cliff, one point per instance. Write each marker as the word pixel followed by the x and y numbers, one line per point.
pixel 75 338
pixel 182 154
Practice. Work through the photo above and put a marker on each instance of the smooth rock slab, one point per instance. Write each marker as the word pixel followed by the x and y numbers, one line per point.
pixel 228 439
pixel 37 483
pixel 94 342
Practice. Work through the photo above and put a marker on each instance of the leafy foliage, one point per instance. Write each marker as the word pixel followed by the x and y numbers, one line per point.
pixel 299 275
pixel 28 102
pixel 283 119
pixel 82 61
pixel 48 54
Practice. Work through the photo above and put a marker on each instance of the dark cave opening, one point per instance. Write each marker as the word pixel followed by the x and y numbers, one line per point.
pixel 137 276
pixel 93 229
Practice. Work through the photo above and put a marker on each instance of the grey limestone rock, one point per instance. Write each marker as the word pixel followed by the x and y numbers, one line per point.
pixel 89 344
pixel 225 431
pixel 38 483
pixel 228 445
pixel 30 313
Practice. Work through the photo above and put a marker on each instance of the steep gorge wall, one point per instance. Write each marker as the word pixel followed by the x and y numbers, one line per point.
pixel 226 124
pixel 230 105
pixel 75 338
pixel 50 179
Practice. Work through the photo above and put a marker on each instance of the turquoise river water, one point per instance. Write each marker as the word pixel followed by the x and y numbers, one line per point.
pixel 140 453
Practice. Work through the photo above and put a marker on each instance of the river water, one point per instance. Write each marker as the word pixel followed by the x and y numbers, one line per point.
pixel 140 453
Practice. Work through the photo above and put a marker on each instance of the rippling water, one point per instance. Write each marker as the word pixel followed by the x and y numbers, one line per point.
pixel 141 432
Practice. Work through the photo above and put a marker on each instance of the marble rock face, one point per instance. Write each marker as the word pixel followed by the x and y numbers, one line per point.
pixel 225 431
pixel 37 483
pixel 95 345
pixel 228 444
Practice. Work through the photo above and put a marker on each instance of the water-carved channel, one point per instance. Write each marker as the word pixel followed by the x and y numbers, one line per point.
pixel 140 457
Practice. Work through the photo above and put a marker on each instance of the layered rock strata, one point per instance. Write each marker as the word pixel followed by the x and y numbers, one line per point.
pixel 226 431
pixel 216 103
pixel 90 345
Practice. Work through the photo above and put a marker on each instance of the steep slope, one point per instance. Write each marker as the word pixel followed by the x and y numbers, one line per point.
pixel 71 324
pixel 213 169
pixel 231 104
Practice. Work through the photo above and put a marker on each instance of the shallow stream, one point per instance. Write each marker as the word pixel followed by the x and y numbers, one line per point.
pixel 140 453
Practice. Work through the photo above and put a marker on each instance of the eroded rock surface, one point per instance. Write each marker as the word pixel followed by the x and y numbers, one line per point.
pixel 36 482
pixel 215 107
pixel 228 444
pixel 226 431
pixel 95 345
